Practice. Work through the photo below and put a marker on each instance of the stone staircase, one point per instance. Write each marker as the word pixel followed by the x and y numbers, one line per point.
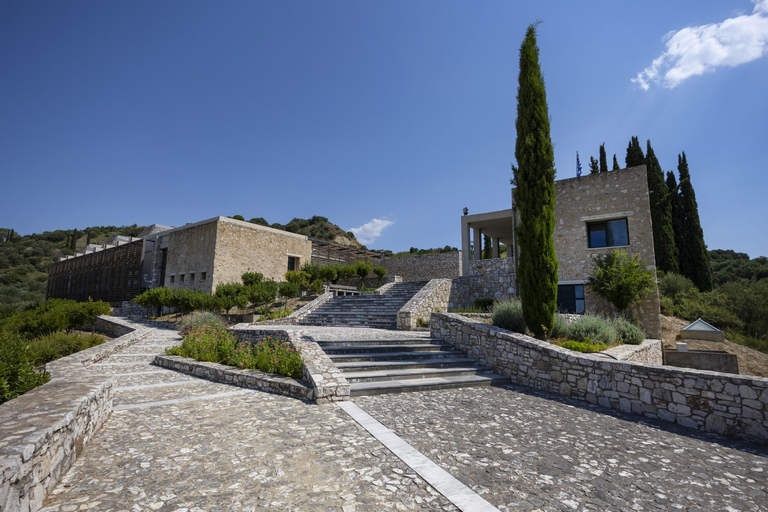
pixel 373 367
pixel 378 311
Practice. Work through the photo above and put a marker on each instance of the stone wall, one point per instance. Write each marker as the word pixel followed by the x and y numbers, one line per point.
pixel 484 279
pixel 604 196
pixel 43 431
pixel 424 267
pixel 300 313
pixel 244 247
pixel 433 297
pixel 725 404
pixel 191 249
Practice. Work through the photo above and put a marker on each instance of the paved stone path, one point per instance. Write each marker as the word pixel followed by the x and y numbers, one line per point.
pixel 177 448
pixel 176 443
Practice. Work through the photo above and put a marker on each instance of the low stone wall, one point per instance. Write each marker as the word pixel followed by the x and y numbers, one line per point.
pixel 725 404
pixel 252 379
pixel 43 431
pixel 649 352
pixel 434 296
pixel 714 360
pixel 327 382
pixel 424 267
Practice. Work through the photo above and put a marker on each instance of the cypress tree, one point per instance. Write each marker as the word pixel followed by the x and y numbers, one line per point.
pixel 88 237
pixel 73 242
pixel 603 159
pixel 615 163
pixel 535 193
pixel 661 215
pixel 696 265
pixel 487 250
pixel 593 166
pixel 678 217
pixel 634 153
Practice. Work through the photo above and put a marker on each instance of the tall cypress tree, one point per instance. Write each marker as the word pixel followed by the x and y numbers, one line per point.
pixel 678 217
pixel 487 250
pixel 88 237
pixel 634 153
pixel 661 215
pixel 615 163
pixel 73 242
pixel 594 167
pixel 603 159
pixel 696 265
pixel 535 193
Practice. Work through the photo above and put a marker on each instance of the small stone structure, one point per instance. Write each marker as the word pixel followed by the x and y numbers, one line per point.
pixel 701 330
pixel 43 431
pixel 434 297
pixel 722 403
pixel 714 360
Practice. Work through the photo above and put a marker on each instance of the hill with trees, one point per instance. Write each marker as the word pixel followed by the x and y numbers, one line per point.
pixel 24 260
pixel 317 227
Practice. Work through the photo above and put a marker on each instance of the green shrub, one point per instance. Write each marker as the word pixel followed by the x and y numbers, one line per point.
pixel 49 347
pixel 55 315
pixel 380 273
pixel 345 272
pixel 629 333
pixel 316 287
pixel 288 290
pixel 274 315
pixel 559 327
pixel 300 278
pixel 329 273
pixel 252 278
pixel 233 294
pixel 621 279
pixel 362 269
pixel 17 371
pixel 200 318
pixel 584 346
pixel 671 284
pixel 263 293
pixel 508 314
pixel 483 304
pixel 312 270
pixel 593 328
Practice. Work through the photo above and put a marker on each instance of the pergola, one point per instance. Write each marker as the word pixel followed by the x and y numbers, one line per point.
pixel 498 226
pixel 327 253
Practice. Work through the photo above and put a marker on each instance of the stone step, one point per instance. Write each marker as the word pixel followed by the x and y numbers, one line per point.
pixel 444 362
pixel 381 349
pixel 415 373
pixel 427 384
pixel 395 356
pixel 383 341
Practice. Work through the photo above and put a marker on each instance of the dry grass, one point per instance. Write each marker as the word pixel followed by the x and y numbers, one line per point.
pixel 751 362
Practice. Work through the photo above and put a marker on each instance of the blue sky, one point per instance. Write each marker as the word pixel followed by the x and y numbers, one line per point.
pixel 390 117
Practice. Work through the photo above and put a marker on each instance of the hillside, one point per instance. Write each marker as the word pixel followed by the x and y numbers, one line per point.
pixel 24 260
pixel 316 227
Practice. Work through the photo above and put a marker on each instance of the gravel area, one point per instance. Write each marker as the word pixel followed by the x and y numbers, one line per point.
pixel 522 450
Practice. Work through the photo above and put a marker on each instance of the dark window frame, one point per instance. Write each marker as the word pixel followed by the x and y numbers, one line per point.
pixel 571 294
pixel 597 236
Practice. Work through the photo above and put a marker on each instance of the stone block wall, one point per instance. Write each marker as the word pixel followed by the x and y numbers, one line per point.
pixel 43 431
pixel 191 249
pixel 434 296
pixel 424 267
pixel 484 279
pixel 722 403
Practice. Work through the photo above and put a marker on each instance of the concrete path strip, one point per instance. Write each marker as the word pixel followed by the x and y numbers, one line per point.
pixel 147 405
pixel 455 491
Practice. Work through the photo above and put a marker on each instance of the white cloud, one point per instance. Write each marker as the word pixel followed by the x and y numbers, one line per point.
pixel 696 50
pixel 370 231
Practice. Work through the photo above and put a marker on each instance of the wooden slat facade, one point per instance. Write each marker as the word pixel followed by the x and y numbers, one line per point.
pixel 327 253
pixel 112 274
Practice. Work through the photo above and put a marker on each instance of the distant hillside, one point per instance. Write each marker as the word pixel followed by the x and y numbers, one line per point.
pixel 24 260
pixel 728 265
pixel 316 227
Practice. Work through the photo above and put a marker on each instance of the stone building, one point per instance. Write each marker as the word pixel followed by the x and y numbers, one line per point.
pixel 197 256
pixel 594 214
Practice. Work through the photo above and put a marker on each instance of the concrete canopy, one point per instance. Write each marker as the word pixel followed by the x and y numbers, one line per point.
pixel 499 224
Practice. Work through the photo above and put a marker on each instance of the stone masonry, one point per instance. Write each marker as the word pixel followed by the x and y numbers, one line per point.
pixel 722 403
pixel 424 267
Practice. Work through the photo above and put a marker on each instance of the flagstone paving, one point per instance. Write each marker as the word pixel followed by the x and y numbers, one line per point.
pixel 177 443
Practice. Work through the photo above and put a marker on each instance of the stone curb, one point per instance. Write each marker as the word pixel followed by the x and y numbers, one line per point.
pixel 251 379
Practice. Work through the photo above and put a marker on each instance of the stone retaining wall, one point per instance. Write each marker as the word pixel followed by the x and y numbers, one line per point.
pixel 722 403
pixel 424 267
pixel 484 279
pixel 300 313
pixel 252 379
pixel 43 431
pixel 433 297
pixel 327 382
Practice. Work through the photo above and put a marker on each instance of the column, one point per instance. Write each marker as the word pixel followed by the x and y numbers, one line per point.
pixel 478 243
pixel 496 243
pixel 464 247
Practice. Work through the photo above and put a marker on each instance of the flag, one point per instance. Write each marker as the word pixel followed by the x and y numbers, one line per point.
pixel 578 165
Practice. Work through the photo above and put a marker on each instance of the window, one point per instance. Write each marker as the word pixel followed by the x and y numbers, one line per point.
pixel 181 278
pixel 203 275
pixel 570 298
pixel 173 279
pixel 293 263
pixel 609 233
pixel 191 277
